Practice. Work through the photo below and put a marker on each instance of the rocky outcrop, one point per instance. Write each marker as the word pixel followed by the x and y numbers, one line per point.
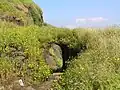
pixel 21 13
pixel 53 56
pixel 13 19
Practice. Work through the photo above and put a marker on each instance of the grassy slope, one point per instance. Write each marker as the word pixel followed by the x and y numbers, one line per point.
pixel 98 68
pixel 24 10
pixel 31 41
pixel 95 69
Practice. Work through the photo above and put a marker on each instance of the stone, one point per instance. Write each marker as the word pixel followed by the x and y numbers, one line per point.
pixel 21 83
pixel 53 56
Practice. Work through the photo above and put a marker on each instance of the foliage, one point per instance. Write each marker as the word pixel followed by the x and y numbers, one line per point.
pixel 21 50
pixel 24 10
pixel 29 42
pixel 98 67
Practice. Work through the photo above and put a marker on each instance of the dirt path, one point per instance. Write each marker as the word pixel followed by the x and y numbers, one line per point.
pixel 47 85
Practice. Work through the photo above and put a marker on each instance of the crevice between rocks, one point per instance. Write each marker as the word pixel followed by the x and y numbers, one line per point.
pixel 68 54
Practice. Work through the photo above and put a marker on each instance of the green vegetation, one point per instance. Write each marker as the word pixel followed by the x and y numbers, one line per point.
pixel 97 67
pixel 21 50
pixel 21 12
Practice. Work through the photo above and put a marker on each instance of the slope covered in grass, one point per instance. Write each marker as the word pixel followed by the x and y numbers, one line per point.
pixel 98 68
pixel 23 39
pixel 21 51
pixel 21 12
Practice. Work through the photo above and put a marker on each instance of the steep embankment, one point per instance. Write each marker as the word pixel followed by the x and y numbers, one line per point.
pixel 21 12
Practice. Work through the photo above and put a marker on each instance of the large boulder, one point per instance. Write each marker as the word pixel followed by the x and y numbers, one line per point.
pixel 53 56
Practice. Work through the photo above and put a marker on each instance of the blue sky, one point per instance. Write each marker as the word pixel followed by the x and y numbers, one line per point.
pixel 80 13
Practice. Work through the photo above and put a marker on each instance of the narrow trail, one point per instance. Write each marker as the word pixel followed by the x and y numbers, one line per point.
pixel 47 85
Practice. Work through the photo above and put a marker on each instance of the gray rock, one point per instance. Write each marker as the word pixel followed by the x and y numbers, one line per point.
pixel 53 56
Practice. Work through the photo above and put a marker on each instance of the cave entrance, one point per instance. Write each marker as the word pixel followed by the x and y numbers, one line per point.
pixel 53 50
pixel 69 53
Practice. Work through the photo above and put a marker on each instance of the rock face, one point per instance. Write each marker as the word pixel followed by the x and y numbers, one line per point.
pixel 21 12
pixel 53 56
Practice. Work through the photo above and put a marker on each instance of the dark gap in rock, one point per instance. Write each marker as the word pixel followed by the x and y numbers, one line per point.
pixel 68 54
pixel 61 50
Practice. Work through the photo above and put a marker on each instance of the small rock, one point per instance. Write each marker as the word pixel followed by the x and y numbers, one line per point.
pixel 21 83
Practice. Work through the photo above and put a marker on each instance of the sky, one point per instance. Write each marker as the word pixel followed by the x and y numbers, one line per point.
pixel 80 13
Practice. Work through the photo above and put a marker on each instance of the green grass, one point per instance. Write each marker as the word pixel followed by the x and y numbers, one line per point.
pixel 26 10
pixel 26 40
pixel 30 41
pixel 97 68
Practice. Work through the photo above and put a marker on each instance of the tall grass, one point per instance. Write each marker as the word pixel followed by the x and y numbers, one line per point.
pixel 98 68
pixel 24 10
pixel 29 41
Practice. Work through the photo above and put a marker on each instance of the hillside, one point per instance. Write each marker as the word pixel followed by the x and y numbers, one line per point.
pixel 21 12
pixel 38 56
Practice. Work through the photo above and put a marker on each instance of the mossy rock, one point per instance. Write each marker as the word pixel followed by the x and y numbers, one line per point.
pixel 53 57
pixel 21 12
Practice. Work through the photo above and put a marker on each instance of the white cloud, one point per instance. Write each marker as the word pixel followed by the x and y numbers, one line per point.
pixel 70 26
pixel 97 19
pixel 92 19
pixel 81 20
